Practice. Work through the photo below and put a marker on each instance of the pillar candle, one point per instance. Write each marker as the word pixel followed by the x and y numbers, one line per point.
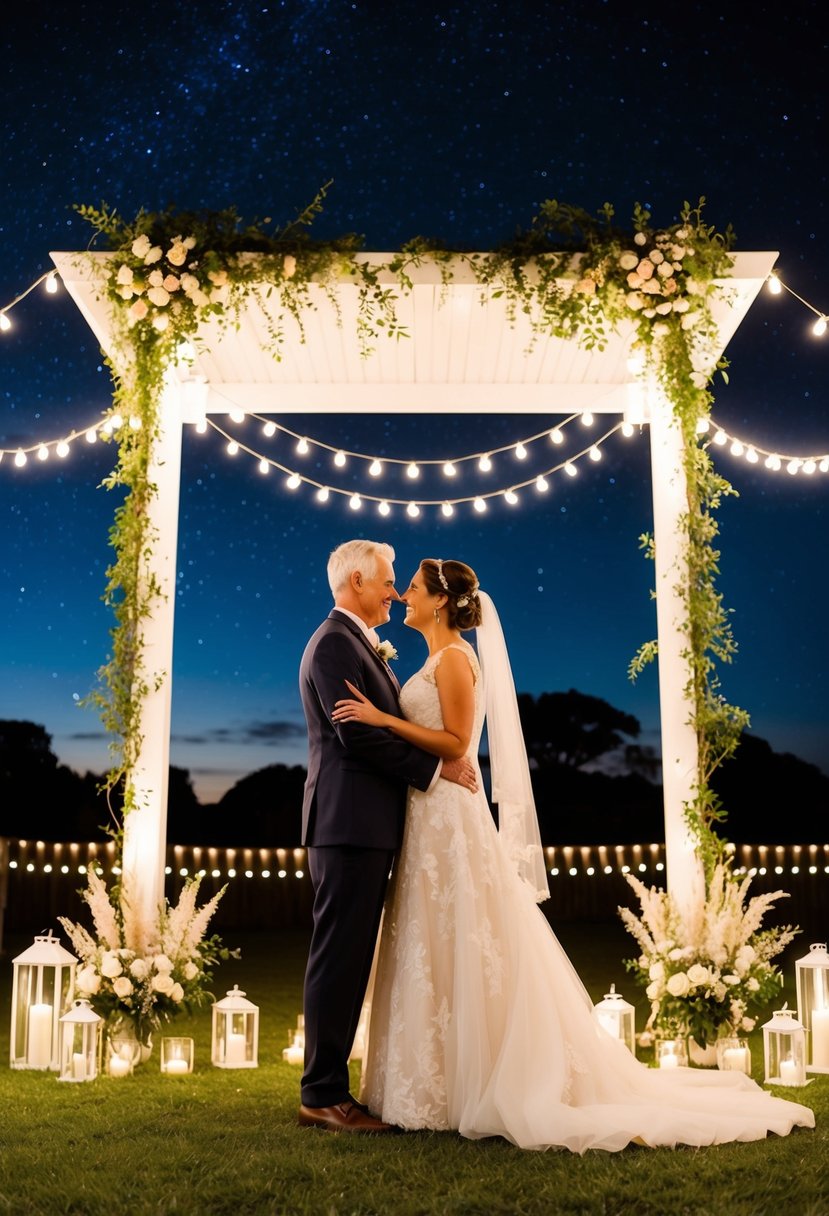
pixel 820 1038
pixel 789 1072
pixel 736 1059
pixel 118 1066
pixel 235 1049
pixel 39 1052
pixel 79 1066
pixel 176 1068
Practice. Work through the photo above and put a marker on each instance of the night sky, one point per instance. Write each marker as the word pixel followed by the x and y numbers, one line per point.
pixel 453 122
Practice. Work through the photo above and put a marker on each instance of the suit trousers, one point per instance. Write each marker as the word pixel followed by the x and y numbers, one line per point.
pixel 349 888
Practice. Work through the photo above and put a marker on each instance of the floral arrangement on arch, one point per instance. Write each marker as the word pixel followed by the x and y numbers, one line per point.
pixel 144 983
pixel 703 973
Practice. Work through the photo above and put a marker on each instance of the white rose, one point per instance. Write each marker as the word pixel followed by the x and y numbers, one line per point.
pixel 648 312
pixel 645 269
pixel 124 274
pixel 189 282
pixel 177 253
pixel 749 1023
pixel 652 287
pixel 189 242
pixel 681 234
pixel 699 974
pixel 176 993
pixel 660 329
pixel 87 980
pixel 752 984
pixel 665 270
pixel 139 310
pixel 629 261
pixel 680 305
pixel 634 300
pixel 663 309
pixel 678 252
pixel 162 963
pixel 155 278
pixel 190 971
pixel 289 266
pixel 678 984
pixel 139 969
pixel 640 239
pixel 152 255
pixel 656 971
pixel 160 321
pixel 653 991
pixel 141 245
pixel 111 964
pixel 122 987
pixel 171 283
pixel 125 292
pixel 656 256
pixel 731 980
pixel 158 296
pixel 163 983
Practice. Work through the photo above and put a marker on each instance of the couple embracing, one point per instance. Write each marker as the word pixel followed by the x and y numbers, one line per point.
pixel 479 1023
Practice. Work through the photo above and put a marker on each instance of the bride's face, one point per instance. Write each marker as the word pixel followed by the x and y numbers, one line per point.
pixel 420 604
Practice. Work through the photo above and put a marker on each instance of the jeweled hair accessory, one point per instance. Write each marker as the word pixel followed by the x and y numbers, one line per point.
pixel 441 575
pixel 462 600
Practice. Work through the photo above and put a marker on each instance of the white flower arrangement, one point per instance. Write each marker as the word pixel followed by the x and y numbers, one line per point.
pixel 702 973
pixel 144 987
pixel 386 651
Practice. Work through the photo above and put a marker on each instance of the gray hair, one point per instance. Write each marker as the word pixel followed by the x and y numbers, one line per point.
pixel 355 555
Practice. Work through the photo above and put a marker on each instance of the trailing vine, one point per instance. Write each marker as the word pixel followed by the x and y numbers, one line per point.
pixel 573 275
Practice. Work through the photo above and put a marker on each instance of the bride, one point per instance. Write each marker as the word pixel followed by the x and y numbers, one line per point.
pixel 479 1023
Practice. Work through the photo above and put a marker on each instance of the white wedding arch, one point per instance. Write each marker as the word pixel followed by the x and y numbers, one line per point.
pixel 465 354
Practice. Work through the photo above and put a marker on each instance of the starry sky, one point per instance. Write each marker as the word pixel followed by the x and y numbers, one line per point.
pixel 451 121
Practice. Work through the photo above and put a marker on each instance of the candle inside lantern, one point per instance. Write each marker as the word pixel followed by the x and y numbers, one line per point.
pixel 820 1038
pixel 294 1054
pixel 235 1049
pixel 119 1066
pixel 609 1023
pixel 789 1072
pixel 176 1068
pixel 39 1054
pixel 736 1059
pixel 78 1066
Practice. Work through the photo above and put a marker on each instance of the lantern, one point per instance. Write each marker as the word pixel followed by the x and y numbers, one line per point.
pixel 235 1031
pixel 42 988
pixel 671 1053
pixel 812 980
pixel 784 1049
pixel 616 1015
pixel 80 1042
pixel 733 1054
pixel 295 1052
pixel 120 1057
pixel 177 1056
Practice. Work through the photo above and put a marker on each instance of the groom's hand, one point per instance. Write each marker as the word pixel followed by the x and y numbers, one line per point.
pixel 460 772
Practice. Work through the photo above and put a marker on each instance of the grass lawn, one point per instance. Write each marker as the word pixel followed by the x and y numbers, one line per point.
pixel 227 1141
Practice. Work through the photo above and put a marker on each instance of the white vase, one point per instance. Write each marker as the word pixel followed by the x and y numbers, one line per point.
pixel 703 1057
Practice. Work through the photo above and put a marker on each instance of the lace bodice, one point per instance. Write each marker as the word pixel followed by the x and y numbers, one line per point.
pixel 420 701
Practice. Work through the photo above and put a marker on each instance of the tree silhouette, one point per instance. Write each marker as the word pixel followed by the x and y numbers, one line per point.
pixel 572 728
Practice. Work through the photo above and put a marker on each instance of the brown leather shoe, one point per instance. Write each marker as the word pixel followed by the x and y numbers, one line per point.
pixel 346 1117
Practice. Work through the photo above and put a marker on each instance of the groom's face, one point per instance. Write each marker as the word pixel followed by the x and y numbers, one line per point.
pixel 377 593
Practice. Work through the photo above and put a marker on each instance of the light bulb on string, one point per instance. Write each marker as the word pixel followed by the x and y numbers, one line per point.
pixel 412 471
pixel 384 508
pixel 570 469
pixel 809 467
pixel 449 469
pixel 737 448
pixel 511 497
pixel 51 283
pixel 819 327
pixel 375 468
pixel 232 447
pixel 520 452
pixel 774 285
pixel 793 467
pixel 447 510
pixel 201 426
pixel 355 502
pixel 542 484
pixel 293 482
pixel 824 465
pixel 19 458
pixel 269 429
pixel 556 436
pixel 751 456
pixel 322 494
pixel 43 452
pixel 5 323
pixel 595 453
pixel 703 426
pixel 62 449
pixel 721 439
pixel 339 460
pixel 91 435
pixel 587 418
pixel 627 429
pixel 264 466
pixel 480 505
pixel 236 415
pixel 484 464
pixel 116 422
pixel 413 510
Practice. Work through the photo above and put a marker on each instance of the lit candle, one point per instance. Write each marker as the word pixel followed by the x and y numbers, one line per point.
pixel 39 1054
pixel 668 1057
pixel 236 1049
pixel 176 1068
pixel 789 1073
pixel 119 1066
pixel 736 1059
pixel 79 1066
pixel 294 1055
pixel 820 1038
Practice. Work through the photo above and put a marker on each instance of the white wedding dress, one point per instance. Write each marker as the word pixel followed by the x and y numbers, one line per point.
pixel 480 1024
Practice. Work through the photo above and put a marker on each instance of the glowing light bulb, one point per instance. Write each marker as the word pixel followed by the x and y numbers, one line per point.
pixel 484 464
pixel 236 415
pixel 355 502
pixel 556 435
pixel 384 508
pixel 92 435
pixel 737 448
pixel 520 452
pixel 201 426
pixel 587 418
pixel 479 505
pixel 570 469
pixel 413 471
pixel 721 439
pixel 20 458
pixel 5 323
pixel 322 494
pixel 793 467
pixel 824 465
pixel 302 447
pixel 264 466
pixel 627 429
pixel 413 510
pixel 375 468
pixel 809 467
pixel 819 327
pixel 51 283
pixel 232 447
pixel 62 449
pixel 511 497
pixel 775 463
pixel 449 469
pixel 774 285
pixel 447 509
pixel 269 429
pixel 294 481
pixel 594 454
pixel 703 426
pixel 751 456
pixel 339 459
pixel 542 484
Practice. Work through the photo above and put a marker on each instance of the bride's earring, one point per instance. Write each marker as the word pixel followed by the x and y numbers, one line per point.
pixel 437 616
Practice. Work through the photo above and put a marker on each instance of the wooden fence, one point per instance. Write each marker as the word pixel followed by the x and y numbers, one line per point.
pixel 270 888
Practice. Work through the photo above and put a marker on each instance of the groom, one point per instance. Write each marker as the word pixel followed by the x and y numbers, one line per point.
pixel 352 822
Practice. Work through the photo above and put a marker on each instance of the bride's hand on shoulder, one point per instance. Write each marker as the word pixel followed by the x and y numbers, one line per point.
pixel 358 709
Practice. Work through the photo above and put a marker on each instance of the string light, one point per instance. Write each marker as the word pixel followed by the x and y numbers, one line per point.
pixel 269 429
pixel 375 468
pixel 412 471
pixel 449 469
pixel 484 464
pixel 302 447
pixel 773 461
pixel 520 452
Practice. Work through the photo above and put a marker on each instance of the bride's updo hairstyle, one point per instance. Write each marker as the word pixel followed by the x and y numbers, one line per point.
pixel 459 583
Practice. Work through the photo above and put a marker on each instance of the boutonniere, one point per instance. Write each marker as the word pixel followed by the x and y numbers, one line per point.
pixel 386 651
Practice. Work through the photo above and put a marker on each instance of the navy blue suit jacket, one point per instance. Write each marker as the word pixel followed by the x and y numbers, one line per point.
pixel 355 791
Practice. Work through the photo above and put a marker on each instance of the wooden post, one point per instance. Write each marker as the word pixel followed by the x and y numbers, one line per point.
pixel 145 827
pixel 679 741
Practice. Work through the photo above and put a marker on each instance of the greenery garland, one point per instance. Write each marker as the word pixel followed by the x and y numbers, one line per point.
pixel 572 274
